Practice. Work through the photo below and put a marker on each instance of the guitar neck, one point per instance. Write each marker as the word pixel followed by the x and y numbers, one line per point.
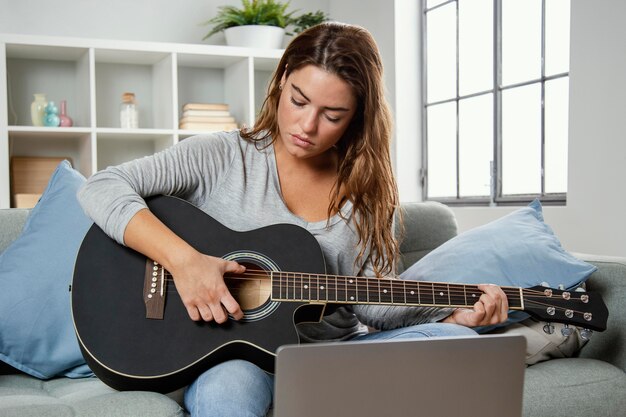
pixel 293 286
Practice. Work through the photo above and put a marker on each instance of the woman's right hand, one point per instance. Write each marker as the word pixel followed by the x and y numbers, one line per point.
pixel 200 283
pixel 199 278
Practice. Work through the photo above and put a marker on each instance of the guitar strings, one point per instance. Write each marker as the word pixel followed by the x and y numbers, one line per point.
pixel 395 293
pixel 284 277
pixel 281 275
pixel 530 301
pixel 267 294
pixel 451 290
pixel 287 280
pixel 538 299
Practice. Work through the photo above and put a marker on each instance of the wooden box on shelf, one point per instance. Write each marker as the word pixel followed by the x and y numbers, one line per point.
pixel 29 178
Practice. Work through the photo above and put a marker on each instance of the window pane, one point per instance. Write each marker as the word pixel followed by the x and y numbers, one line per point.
pixel 521 140
pixel 475 145
pixel 475 46
pixel 433 3
pixel 441 143
pixel 441 53
pixel 521 40
pixel 556 109
pixel 557 36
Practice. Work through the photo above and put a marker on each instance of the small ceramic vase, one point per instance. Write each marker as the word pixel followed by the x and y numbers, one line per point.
pixel 37 109
pixel 51 119
pixel 66 121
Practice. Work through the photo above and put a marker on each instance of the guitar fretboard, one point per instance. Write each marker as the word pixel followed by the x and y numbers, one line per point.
pixel 290 286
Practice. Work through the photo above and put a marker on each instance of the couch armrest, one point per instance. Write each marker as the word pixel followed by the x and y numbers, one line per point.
pixel 11 224
pixel 610 281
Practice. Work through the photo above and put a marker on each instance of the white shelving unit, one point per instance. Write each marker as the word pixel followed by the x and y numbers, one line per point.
pixel 92 74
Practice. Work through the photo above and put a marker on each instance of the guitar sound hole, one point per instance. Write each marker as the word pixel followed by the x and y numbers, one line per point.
pixel 252 289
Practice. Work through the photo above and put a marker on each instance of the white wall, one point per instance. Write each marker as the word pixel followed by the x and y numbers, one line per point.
pixel 146 20
pixel 407 71
pixel 142 20
pixel 377 16
pixel 597 156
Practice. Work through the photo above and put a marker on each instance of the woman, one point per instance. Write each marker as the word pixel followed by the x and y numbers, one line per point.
pixel 318 157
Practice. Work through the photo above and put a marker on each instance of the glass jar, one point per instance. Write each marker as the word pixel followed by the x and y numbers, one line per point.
pixel 128 112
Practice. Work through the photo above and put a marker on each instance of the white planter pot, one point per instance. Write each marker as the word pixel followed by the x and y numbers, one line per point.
pixel 255 36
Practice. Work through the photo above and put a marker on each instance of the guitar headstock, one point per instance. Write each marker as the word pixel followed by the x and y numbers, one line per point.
pixel 583 309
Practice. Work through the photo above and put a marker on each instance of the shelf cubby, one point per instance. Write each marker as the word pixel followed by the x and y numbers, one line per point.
pixel 92 74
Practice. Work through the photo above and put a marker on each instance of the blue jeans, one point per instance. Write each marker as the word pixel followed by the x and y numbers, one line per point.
pixel 240 388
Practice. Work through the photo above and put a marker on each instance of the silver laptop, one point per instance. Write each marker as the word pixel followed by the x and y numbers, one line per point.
pixel 438 377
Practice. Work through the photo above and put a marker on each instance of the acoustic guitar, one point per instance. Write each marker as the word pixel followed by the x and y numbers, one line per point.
pixel 135 333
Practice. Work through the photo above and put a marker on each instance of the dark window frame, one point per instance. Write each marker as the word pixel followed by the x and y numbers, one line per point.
pixel 496 197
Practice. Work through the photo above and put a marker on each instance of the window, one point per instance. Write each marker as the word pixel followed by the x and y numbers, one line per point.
pixel 495 94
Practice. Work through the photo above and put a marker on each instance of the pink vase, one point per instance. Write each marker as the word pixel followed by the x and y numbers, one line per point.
pixel 66 121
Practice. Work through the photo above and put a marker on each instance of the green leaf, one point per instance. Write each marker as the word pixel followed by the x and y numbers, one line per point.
pixel 261 12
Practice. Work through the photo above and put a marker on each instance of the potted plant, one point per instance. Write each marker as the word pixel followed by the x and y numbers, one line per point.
pixel 307 20
pixel 259 23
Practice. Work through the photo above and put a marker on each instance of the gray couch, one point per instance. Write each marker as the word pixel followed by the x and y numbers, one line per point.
pixel 591 384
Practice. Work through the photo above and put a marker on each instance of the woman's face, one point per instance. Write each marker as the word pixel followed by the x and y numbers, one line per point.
pixel 314 110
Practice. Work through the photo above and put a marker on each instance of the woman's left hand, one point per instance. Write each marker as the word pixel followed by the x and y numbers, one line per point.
pixel 491 308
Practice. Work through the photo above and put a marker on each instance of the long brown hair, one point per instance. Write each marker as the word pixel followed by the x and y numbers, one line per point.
pixel 365 173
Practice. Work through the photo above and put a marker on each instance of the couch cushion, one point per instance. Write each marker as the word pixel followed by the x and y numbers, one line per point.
pixel 24 396
pixel 610 281
pixel 541 346
pixel 36 331
pixel 574 387
pixel 517 250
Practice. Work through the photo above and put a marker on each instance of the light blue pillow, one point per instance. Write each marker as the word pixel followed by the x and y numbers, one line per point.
pixel 518 250
pixel 36 329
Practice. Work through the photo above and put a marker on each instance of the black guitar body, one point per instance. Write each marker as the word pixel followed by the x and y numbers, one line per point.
pixel 128 351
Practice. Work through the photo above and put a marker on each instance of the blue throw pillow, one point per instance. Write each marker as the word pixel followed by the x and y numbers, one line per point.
pixel 36 329
pixel 518 250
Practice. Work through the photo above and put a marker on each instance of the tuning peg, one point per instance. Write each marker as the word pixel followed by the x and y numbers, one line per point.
pixel 580 289
pixel 566 330
pixel 545 284
pixel 561 287
pixel 586 334
pixel 548 328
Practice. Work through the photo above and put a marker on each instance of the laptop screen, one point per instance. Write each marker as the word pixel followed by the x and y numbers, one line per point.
pixel 473 375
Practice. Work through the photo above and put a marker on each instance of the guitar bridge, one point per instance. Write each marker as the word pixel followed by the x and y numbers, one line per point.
pixel 154 290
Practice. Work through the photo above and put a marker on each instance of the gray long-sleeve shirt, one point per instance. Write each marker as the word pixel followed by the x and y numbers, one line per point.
pixel 236 182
